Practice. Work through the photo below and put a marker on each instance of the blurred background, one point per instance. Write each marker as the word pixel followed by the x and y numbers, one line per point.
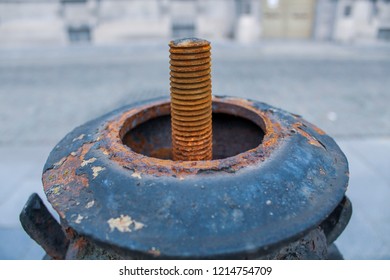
pixel 62 22
pixel 64 62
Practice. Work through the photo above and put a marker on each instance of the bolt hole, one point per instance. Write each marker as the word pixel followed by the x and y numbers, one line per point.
pixel 232 133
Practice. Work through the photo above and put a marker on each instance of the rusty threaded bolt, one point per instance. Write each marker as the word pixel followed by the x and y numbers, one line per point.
pixel 191 104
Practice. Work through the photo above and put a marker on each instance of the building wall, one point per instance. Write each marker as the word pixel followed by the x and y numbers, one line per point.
pixel 215 19
pixel 288 18
pixel 31 22
pixel 383 17
pixel 119 21
pixel 325 16
pixel 113 21
pixel 362 20
pixel 355 20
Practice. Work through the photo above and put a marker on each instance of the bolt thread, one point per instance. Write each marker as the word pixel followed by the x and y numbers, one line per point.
pixel 191 104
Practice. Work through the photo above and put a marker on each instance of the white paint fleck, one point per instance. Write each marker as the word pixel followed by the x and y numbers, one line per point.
pixel 124 224
pixel 268 202
pixel 271 213
pixel 73 154
pixel 79 138
pixel 96 170
pixel 60 162
pixel 90 204
pixel 86 162
pixel 79 219
pixel 136 175
pixel 155 252
pixel 138 225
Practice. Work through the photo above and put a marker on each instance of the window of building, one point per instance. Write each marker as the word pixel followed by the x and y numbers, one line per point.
pixel 347 11
pixel 384 34
pixel 244 7
pixel 183 29
pixel 73 1
pixel 79 34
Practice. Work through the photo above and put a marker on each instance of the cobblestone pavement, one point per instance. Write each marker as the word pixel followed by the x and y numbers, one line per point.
pixel 345 90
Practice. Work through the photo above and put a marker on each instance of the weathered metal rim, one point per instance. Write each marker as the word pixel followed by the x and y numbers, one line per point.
pixel 114 132
pixel 293 181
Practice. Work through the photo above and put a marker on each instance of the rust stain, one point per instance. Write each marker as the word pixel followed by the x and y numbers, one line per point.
pixel 303 122
pixel 311 139
pixel 76 247
pixel 163 153
pixel 63 178
pixel 115 130
pixel 318 130
pixel 312 126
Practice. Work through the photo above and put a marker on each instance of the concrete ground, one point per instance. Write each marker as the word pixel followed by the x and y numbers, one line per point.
pixel 345 90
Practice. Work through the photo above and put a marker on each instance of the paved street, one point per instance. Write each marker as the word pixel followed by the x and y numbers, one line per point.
pixel 345 90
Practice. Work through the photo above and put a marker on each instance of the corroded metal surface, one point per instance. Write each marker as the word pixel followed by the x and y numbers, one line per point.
pixel 191 109
pixel 312 246
pixel 43 228
pixel 337 221
pixel 247 204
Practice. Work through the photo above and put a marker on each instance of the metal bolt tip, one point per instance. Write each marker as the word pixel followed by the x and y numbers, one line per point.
pixel 189 42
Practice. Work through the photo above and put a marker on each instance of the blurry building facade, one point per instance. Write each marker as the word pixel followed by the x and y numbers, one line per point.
pixel 114 21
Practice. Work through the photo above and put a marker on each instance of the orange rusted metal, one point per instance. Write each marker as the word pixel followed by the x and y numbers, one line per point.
pixel 191 107
pixel 111 139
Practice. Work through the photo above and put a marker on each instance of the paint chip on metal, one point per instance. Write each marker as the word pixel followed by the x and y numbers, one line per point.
pixel 124 224
pixel 79 219
pixel 96 170
pixel 79 138
pixel 60 162
pixel 86 162
pixel 90 204
pixel 136 175
pixel 155 252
